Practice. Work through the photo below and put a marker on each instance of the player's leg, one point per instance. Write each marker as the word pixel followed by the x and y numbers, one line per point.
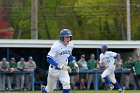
pixel 28 81
pixel 65 80
pixel 22 81
pixel 82 81
pixel 127 80
pixel 90 76
pixel 138 76
pixel 9 82
pixel 51 84
pixel 3 80
pixel 104 75
pixel 72 80
pixel 114 81
pixel 18 82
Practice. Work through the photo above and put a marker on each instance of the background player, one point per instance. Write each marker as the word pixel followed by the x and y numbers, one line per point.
pixel 58 56
pixel 107 60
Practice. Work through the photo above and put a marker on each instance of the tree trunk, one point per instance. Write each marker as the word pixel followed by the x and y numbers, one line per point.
pixel 44 18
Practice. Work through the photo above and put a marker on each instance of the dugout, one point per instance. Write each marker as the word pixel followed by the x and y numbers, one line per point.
pixel 38 49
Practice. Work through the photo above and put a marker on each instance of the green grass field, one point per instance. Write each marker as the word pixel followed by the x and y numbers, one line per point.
pixel 84 91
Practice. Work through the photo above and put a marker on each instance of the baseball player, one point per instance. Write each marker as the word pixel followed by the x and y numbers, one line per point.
pixel 4 65
pixel 107 60
pixel 82 63
pixel 58 56
pixel 31 66
pixel 10 77
pixel 128 66
pixel 91 65
pixel 73 74
pixel 21 66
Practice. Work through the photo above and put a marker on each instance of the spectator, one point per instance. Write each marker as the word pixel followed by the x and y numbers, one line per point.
pixel 91 65
pixel 31 66
pixel 21 66
pixel 10 77
pixel 119 66
pixel 82 66
pixel 73 74
pixel 4 65
pixel 137 66
pixel 128 66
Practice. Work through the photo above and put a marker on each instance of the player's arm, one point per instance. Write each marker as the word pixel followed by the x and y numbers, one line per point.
pixel 113 54
pixel 71 59
pixel 51 55
pixel 51 61
pixel 50 58
pixel 54 63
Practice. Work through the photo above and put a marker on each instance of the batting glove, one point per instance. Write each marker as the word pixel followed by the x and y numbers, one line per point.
pixel 76 67
pixel 63 67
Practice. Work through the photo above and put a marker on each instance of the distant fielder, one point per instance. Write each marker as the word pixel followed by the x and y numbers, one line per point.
pixel 58 56
pixel 107 60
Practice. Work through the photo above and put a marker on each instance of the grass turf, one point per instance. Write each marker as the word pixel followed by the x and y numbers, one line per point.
pixel 84 91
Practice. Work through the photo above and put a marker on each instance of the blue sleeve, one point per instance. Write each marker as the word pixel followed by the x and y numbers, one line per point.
pixel 70 58
pixel 51 61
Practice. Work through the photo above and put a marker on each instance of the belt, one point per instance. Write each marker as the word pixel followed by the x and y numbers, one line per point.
pixel 55 67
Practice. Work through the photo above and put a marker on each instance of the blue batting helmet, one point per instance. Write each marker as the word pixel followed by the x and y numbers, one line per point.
pixel 104 47
pixel 65 32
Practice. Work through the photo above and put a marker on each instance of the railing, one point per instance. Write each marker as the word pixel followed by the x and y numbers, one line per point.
pixel 96 75
pixel 95 72
pixel 21 72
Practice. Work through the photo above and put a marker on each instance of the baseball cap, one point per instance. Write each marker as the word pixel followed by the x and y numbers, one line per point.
pixel 82 56
pixel 129 58
pixel 92 55
pixel 12 59
pixel 4 59
pixel 118 54
pixel 138 55
pixel 30 58
pixel 22 59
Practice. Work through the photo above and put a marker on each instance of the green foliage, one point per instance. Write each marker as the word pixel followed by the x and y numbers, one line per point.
pixel 88 19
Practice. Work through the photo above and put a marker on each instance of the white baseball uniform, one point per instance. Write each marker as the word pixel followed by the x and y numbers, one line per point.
pixel 107 60
pixel 59 53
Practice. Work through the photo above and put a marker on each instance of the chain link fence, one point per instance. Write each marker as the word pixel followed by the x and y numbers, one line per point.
pixel 94 21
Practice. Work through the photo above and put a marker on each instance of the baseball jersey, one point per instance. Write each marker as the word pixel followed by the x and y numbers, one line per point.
pixel 14 65
pixel 82 65
pixel 137 66
pixel 128 65
pixel 60 53
pixel 31 66
pixel 91 64
pixel 107 59
pixel 21 66
pixel 120 65
pixel 4 66
pixel 71 65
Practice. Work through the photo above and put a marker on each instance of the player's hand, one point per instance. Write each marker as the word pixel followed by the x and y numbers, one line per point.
pixel 76 67
pixel 63 67
pixel 98 62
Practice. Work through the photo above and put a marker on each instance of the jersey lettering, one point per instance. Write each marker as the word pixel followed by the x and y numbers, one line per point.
pixel 65 52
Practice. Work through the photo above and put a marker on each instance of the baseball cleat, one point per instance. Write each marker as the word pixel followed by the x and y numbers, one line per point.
pixel 110 87
pixel 43 89
pixel 121 90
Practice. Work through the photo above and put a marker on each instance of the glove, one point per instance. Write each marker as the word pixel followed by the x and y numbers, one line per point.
pixel 76 67
pixel 63 67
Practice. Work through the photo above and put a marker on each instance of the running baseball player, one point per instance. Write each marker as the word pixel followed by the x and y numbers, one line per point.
pixel 107 60
pixel 58 56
